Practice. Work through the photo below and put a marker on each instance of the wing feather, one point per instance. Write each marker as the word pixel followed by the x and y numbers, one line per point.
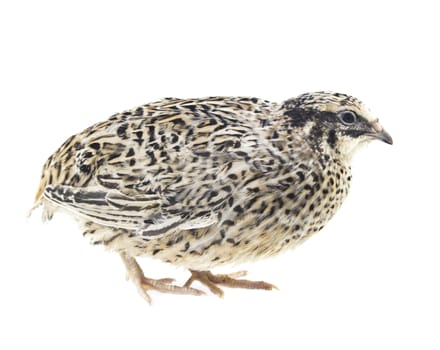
pixel 112 208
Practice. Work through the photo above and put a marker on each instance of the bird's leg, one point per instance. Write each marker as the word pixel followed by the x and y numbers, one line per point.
pixel 144 284
pixel 228 280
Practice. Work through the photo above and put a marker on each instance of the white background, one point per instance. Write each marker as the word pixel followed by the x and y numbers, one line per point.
pixel 370 280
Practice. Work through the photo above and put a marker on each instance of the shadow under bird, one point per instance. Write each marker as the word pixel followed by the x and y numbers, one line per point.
pixel 204 182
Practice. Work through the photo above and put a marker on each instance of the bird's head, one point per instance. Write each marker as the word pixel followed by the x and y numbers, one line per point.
pixel 333 123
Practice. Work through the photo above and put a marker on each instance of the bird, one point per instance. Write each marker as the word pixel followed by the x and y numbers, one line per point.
pixel 206 182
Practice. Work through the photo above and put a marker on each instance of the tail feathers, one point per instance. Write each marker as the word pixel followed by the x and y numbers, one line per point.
pixel 39 196
pixel 48 210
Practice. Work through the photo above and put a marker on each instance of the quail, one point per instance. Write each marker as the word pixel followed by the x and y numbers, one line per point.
pixel 204 182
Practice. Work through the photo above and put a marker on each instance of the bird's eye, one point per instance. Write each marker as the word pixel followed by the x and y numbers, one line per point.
pixel 347 117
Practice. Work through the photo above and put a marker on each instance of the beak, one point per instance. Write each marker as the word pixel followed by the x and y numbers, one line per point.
pixel 380 133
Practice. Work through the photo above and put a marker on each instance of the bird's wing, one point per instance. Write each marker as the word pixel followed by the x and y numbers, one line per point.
pixel 158 169
pixel 141 214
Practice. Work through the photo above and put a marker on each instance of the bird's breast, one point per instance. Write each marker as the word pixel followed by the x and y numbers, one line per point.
pixel 264 224
pixel 302 209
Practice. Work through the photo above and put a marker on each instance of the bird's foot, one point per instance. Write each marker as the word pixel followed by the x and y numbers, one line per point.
pixel 144 284
pixel 163 285
pixel 228 280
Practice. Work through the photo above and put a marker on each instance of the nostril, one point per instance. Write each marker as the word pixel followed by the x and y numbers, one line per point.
pixel 376 126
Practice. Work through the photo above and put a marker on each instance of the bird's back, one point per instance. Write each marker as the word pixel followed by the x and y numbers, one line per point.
pixel 149 138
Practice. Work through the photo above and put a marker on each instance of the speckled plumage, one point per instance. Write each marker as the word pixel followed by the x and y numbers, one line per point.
pixel 205 182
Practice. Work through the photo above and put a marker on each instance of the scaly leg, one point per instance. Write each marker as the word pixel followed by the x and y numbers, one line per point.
pixel 228 280
pixel 143 284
